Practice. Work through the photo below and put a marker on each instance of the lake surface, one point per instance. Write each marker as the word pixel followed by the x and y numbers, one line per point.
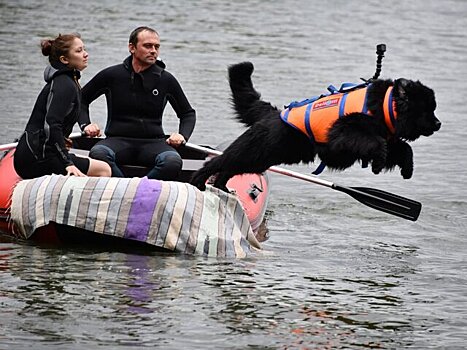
pixel 335 274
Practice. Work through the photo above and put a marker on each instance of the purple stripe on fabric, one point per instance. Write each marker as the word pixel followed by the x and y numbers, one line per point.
pixel 142 209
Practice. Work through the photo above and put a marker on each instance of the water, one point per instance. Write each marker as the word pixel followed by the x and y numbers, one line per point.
pixel 335 274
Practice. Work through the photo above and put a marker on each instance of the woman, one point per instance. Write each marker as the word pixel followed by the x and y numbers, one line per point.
pixel 43 147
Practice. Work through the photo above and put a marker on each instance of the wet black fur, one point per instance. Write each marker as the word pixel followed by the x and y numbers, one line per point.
pixel 357 137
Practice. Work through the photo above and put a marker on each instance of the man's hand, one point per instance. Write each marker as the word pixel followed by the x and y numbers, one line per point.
pixel 176 140
pixel 92 130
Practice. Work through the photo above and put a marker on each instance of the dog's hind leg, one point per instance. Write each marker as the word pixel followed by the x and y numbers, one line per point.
pixel 221 180
pixel 200 177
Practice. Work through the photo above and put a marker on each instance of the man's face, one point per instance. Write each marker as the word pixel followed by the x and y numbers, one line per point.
pixel 147 48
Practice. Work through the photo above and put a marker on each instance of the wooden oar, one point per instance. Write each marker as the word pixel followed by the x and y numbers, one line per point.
pixel 380 200
pixel 12 145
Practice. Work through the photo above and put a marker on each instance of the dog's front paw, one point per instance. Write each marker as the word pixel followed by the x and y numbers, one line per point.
pixel 380 156
pixel 377 166
pixel 407 171
pixel 407 162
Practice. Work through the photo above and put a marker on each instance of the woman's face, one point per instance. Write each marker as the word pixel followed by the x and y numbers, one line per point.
pixel 77 56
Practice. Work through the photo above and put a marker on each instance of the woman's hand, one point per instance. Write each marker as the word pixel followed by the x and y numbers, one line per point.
pixel 72 170
pixel 92 130
pixel 68 143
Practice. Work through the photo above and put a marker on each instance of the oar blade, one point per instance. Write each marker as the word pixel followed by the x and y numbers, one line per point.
pixel 384 201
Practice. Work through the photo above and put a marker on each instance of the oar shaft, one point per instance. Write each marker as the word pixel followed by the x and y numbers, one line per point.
pixel 207 150
pixel 12 145
pixel 8 146
pixel 301 176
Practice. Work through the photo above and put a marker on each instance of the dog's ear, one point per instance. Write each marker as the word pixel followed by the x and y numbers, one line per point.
pixel 401 86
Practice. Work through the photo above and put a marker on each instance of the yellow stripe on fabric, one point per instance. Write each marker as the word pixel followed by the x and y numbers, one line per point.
pixel 48 196
pixel 40 216
pixel 177 217
pixel 104 204
pixel 115 205
pixel 94 202
pixel 16 208
pixel 166 217
pixel 33 203
pixel 25 206
pixel 55 197
pixel 84 192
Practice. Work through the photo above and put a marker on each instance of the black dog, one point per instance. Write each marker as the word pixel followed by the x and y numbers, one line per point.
pixel 363 136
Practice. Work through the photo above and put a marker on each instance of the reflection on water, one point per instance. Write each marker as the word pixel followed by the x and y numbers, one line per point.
pixel 336 274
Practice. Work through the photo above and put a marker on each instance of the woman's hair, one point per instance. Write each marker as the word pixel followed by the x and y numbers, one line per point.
pixel 134 34
pixel 60 46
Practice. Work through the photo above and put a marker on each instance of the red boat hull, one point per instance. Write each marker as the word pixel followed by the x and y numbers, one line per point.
pixel 8 180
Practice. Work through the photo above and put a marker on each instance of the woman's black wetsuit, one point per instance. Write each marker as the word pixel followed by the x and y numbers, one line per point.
pixel 41 149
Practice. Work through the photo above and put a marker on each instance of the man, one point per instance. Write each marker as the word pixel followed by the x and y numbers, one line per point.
pixel 137 91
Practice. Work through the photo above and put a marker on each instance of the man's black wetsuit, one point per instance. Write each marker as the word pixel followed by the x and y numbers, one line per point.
pixel 135 105
pixel 41 149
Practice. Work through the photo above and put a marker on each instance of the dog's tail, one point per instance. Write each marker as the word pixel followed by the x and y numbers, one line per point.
pixel 246 100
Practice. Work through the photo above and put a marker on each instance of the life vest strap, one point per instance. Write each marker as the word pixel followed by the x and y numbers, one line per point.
pixel 389 108
pixel 319 169
pixel 345 87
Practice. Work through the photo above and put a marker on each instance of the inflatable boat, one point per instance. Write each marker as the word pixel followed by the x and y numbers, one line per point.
pixel 135 211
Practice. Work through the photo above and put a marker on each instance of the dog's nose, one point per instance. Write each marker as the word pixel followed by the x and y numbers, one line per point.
pixel 437 125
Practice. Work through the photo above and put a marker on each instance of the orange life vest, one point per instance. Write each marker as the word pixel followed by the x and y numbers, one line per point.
pixel 315 118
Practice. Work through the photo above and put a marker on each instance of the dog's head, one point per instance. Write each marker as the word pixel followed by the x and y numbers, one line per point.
pixel 415 106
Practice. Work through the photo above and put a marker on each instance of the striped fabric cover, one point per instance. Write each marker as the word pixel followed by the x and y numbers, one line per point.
pixel 171 215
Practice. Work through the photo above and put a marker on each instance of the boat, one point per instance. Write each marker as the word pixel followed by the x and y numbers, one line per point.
pixel 236 218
